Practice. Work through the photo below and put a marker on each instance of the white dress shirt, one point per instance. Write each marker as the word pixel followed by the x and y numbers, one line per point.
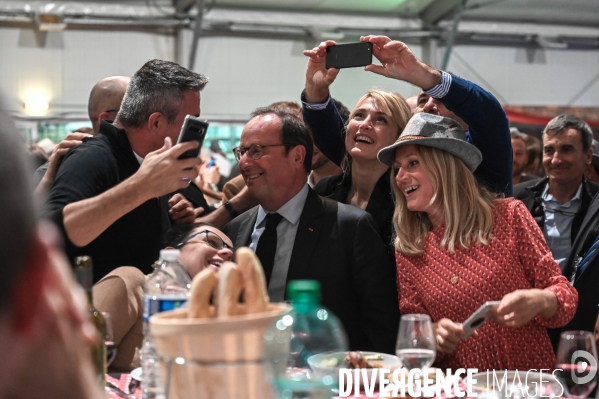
pixel 286 231
pixel 557 228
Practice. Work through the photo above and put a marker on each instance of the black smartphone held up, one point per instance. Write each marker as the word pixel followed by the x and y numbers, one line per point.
pixel 193 129
pixel 349 55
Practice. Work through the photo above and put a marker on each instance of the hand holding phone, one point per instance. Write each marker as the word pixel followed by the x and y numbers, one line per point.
pixel 478 318
pixel 193 129
pixel 349 55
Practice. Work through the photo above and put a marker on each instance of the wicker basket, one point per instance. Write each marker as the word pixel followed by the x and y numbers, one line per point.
pixel 215 358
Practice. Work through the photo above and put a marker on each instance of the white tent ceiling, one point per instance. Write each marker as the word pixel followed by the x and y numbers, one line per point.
pixel 524 23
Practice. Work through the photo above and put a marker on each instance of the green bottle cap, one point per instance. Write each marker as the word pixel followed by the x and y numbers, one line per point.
pixel 304 292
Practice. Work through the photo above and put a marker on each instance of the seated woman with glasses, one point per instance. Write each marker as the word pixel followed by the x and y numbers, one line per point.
pixel 120 292
pixel 458 246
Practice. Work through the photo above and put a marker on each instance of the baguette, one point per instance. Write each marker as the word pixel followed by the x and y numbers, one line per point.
pixel 229 289
pixel 202 286
pixel 254 283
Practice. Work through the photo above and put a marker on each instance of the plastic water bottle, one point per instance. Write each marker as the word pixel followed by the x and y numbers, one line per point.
pixel 167 288
pixel 310 329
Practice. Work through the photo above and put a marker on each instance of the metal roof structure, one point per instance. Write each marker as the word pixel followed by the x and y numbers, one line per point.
pixel 558 24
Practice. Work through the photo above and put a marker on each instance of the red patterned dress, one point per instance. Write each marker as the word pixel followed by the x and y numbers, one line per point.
pixel 517 257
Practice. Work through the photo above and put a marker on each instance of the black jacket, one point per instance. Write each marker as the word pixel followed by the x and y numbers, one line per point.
pixel 90 169
pixel 530 193
pixel 587 283
pixel 338 245
pixel 380 204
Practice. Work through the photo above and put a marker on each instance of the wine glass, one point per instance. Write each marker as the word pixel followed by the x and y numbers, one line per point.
pixel 416 347
pixel 109 339
pixel 576 363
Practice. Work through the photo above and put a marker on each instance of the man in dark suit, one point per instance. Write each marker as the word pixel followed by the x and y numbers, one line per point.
pixel 559 201
pixel 314 238
pixel 582 268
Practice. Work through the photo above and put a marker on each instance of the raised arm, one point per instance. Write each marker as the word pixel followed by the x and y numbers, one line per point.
pixel 489 131
pixel 318 110
pixel 478 109
pixel 318 77
pixel 72 139
pixel 85 218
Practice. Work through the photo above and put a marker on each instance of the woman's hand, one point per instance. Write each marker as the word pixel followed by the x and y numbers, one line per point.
pixel 182 211
pixel 399 62
pixel 448 335
pixel 521 306
pixel 210 174
pixel 318 77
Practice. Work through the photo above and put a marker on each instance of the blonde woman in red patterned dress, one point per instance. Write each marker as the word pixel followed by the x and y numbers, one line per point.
pixel 457 247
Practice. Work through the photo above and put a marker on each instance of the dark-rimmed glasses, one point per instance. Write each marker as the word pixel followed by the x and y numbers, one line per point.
pixel 255 150
pixel 212 239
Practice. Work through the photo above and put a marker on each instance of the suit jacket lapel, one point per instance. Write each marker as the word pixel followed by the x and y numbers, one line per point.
pixel 244 235
pixel 306 238
pixel 585 229
pixel 592 213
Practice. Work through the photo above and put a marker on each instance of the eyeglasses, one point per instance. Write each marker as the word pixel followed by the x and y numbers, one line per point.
pixel 212 239
pixel 255 150
pixel 112 110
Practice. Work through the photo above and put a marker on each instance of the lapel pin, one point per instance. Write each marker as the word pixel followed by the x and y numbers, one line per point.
pixel 310 229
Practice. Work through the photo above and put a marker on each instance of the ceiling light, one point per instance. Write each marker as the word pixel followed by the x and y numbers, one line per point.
pixel 36 104
pixel 50 22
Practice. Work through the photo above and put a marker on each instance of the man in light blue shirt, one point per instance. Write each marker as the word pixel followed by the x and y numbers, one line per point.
pixel 558 223
pixel 299 235
pixel 560 201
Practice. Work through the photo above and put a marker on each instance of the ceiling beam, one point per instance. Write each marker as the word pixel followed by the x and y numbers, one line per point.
pixel 182 6
pixel 437 10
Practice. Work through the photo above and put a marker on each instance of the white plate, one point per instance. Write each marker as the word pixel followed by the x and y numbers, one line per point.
pixel 531 380
pixel 136 374
pixel 429 391
pixel 321 363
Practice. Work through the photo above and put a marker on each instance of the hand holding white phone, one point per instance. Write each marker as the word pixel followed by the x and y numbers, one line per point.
pixel 478 318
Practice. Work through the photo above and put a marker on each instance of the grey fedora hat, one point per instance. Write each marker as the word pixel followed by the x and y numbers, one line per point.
pixel 438 132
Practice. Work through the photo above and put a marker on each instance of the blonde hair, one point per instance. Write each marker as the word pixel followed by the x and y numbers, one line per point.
pixel 466 206
pixel 390 103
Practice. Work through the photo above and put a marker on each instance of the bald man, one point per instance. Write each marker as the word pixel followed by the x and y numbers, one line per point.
pixel 105 99
pixel 104 103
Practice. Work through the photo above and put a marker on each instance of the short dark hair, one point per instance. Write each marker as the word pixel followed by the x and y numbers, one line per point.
pixel 158 86
pixel 294 132
pixel 564 121
pixel 180 232
pixel 17 212
pixel 288 106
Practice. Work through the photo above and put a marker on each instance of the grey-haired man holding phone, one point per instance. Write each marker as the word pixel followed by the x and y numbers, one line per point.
pixel 106 198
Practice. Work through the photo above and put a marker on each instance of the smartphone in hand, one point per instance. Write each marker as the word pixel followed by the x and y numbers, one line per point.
pixel 193 129
pixel 478 318
pixel 349 55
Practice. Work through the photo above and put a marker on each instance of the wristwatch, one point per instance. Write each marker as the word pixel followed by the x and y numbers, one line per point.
pixel 231 210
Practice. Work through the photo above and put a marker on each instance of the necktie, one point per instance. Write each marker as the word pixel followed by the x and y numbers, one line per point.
pixel 586 259
pixel 267 244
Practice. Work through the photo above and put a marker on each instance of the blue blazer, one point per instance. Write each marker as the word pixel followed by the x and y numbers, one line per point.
pixel 487 123
pixel 587 283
